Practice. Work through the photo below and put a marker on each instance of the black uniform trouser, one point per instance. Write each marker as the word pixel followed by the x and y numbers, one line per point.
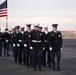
pixel 48 58
pixel 27 55
pixel 20 53
pixel 6 49
pixel 0 49
pixel 31 58
pixel 15 53
pixel 24 58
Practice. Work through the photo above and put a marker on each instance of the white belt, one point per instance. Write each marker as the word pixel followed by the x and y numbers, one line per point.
pixel 36 41
pixel 20 40
pixel 46 41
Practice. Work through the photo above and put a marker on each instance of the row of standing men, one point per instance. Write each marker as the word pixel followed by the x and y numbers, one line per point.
pixel 35 48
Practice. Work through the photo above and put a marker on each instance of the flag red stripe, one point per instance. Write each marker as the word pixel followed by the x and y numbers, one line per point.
pixel 3 12
pixel 3 15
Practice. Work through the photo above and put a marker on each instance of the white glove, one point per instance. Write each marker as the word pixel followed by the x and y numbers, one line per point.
pixel 6 40
pixel 50 48
pixel 43 48
pixel 18 45
pixel 61 49
pixel 25 45
pixel 31 47
pixel 14 45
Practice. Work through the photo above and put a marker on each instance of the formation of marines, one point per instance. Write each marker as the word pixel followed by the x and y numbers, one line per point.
pixel 33 47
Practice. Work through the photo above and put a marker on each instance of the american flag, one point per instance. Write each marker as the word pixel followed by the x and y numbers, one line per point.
pixel 3 9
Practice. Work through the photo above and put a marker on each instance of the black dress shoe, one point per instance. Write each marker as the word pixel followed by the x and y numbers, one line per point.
pixel 4 55
pixel 19 63
pixel 28 67
pixel 58 69
pixel 7 55
pixel 35 69
pixel 44 65
pixel 0 55
pixel 40 68
pixel 49 66
pixel 15 62
pixel 24 64
pixel 54 68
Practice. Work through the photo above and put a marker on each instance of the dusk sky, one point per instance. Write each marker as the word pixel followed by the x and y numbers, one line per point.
pixel 45 12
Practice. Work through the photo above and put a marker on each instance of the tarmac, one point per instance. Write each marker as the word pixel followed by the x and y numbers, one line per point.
pixel 68 63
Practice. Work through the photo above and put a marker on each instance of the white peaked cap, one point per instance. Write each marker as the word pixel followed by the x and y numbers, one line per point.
pixel 45 26
pixel 21 26
pixel 36 24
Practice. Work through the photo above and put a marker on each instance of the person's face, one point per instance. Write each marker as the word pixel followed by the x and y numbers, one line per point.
pixel 40 30
pixel 28 28
pixel 55 28
pixel 36 28
pixel 45 28
pixel 22 29
pixel 12 31
pixel 17 30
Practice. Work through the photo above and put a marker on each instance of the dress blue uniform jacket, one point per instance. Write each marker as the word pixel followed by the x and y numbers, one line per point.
pixel 55 40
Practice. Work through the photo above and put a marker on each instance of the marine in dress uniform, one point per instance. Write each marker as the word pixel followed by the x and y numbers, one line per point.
pixel 23 53
pixel 11 41
pixel 1 41
pixel 16 44
pixel 55 44
pixel 26 41
pixel 46 51
pixel 37 46
pixel 20 42
pixel 7 38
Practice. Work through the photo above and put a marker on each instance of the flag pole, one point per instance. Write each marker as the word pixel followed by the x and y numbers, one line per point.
pixel 7 22
pixel 7 17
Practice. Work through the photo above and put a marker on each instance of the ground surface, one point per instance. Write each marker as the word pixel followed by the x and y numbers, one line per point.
pixel 68 63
